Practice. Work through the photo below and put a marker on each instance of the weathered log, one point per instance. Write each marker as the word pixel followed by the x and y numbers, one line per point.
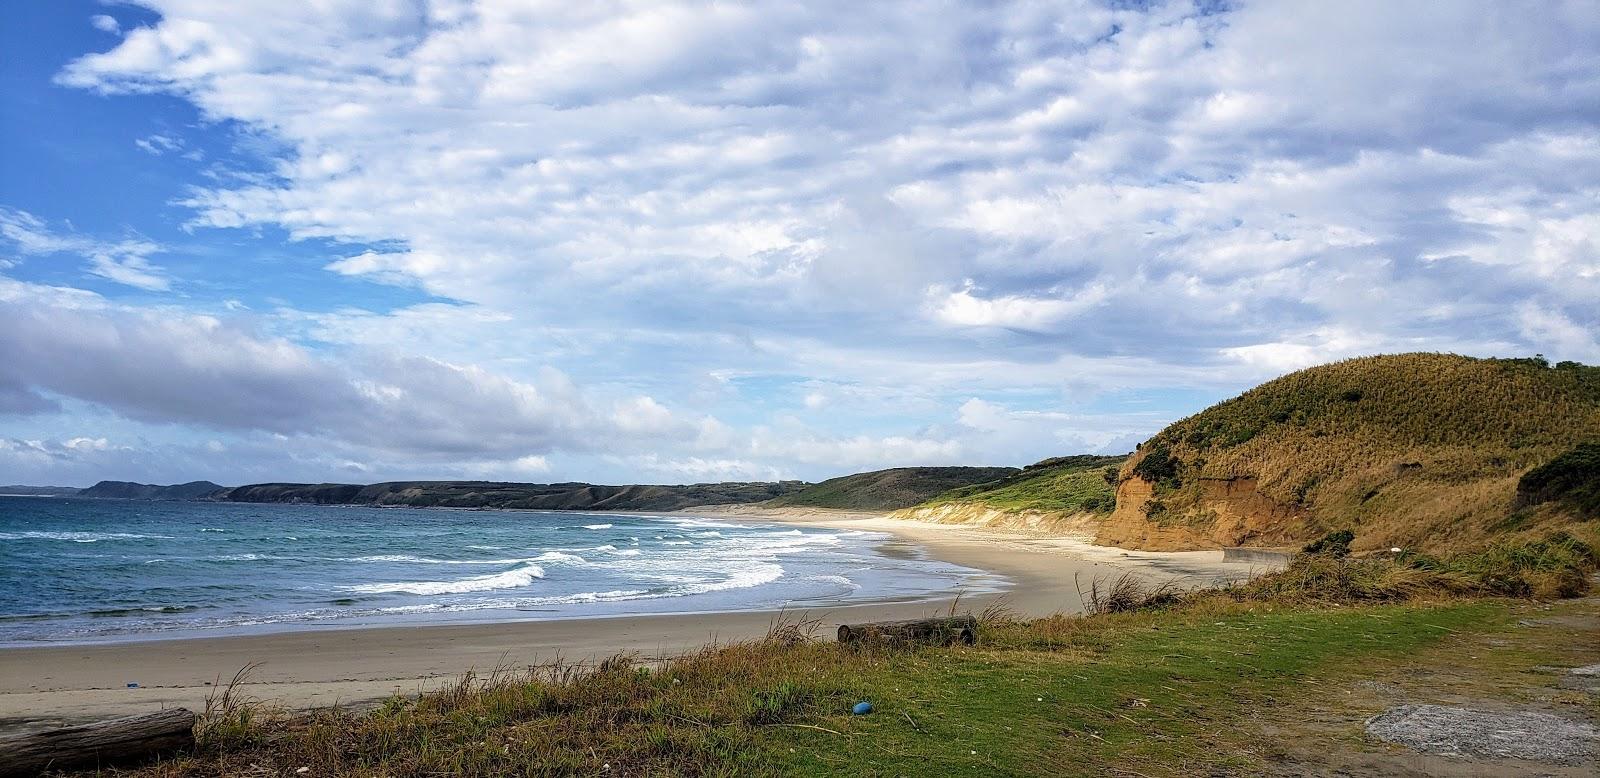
pixel 95 744
pixel 940 631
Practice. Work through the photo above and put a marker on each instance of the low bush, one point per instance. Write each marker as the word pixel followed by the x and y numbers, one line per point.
pixel 1336 543
pixel 1572 478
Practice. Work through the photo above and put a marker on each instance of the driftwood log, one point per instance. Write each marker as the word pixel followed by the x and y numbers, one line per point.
pixel 97 743
pixel 940 631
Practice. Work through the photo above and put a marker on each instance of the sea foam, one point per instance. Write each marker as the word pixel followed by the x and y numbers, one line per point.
pixel 522 576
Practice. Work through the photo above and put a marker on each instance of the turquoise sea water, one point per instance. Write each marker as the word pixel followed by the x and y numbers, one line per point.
pixel 91 570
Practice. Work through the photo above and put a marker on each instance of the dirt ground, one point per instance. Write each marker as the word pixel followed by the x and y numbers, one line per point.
pixel 1485 682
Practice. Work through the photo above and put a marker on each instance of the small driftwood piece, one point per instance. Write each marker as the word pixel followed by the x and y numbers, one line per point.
pixel 939 631
pixel 95 744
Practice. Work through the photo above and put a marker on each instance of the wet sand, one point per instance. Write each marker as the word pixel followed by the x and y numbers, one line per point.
pixel 318 667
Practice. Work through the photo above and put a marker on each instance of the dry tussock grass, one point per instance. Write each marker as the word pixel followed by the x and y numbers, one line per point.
pixel 1415 450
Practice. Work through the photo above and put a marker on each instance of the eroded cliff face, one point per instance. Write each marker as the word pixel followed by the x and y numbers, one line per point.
pixel 1229 512
pixel 1080 525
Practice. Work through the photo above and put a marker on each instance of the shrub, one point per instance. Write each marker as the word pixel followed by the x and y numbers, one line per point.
pixel 1572 478
pixel 1158 466
pixel 1335 544
pixel 1558 566
pixel 1126 593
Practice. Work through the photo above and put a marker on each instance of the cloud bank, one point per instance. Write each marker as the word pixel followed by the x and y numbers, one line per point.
pixel 939 231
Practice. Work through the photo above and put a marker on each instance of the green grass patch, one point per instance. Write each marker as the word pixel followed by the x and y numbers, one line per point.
pixel 1155 692
pixel 1063 485
pixel 1151 693
pixel 899 487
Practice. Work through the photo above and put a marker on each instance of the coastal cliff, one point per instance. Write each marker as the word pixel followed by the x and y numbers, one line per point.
pixel 1231 512
pixel 1420 451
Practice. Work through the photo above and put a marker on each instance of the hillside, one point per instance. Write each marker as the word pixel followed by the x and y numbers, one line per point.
pixel 1062 494
pixel 491 494
pixel 19 490
pixel 1421 451
pixel 881 490
pixel 127 490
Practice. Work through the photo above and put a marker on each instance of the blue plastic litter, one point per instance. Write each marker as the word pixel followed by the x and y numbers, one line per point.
pixel 133 686
pixel 862 708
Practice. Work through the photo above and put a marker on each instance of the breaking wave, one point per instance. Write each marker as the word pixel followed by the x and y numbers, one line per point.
pixel 522 576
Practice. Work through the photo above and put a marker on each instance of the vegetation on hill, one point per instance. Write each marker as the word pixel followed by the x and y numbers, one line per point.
pixel 1156 682
pixel 1067 485
pixel 493 494
pixel 1423 451
pixel 127 490
pixel 40 491
pixel 899 487
pixel 1572 479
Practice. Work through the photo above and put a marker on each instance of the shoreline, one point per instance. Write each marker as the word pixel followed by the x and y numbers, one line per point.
pixel 358 665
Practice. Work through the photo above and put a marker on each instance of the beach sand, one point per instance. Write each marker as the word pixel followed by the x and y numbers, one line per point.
pixel 318 667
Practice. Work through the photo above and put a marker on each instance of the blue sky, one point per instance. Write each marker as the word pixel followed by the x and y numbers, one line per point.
pixel 662 242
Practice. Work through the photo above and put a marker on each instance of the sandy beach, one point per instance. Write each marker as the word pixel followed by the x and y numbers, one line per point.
pixel 317 667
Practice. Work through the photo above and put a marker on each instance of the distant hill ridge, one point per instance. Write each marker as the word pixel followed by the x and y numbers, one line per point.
pixel 493 494
pixel 40 491
pixel 1424 451
pixel 127 490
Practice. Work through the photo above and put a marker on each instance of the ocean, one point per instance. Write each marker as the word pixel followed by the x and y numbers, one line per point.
pixel 82 570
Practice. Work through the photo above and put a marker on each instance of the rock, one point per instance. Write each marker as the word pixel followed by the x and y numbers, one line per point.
pixel 1586 670
pixel 1461 732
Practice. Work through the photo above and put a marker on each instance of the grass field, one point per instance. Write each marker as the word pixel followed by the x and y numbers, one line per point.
pixel 1153 693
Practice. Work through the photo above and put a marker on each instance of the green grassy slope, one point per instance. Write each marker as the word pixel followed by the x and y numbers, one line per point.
pixel 1074 484
pixel 889 489
pixel 1419 450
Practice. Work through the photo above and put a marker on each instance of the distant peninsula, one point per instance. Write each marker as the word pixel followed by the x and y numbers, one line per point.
pixel 884 489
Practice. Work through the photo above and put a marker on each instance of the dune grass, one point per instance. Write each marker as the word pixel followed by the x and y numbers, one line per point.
pixel 1152 684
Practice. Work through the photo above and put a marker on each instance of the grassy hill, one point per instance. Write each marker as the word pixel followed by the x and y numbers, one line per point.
pixel 899 487
pixel 1074 484
pixel 1421 451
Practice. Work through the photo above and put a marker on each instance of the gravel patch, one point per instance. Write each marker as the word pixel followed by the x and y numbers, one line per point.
pixel 1588 670
pixel 1460 732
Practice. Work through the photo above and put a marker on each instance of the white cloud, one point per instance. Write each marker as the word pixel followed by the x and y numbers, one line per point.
pixel 159 144
pixel 125 261
pixel 964 308
pixel 1567 339
pixel 105 24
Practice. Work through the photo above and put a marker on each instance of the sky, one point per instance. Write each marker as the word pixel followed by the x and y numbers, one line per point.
pixel 660 242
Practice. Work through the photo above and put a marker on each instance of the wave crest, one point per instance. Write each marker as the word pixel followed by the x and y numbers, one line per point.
pixel 517 578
